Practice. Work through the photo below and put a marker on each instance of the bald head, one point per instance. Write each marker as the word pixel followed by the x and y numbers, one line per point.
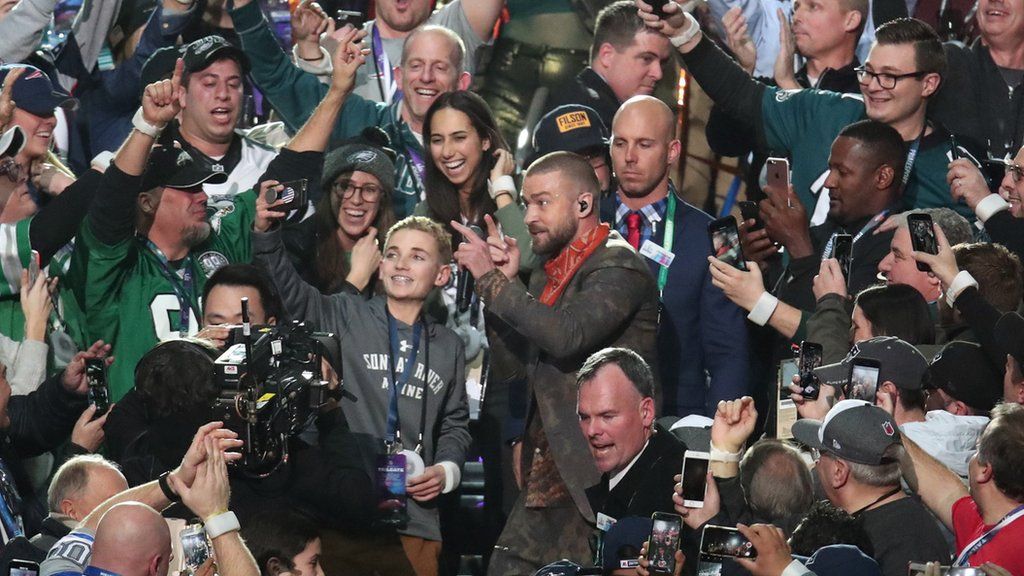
pixel 132 539
pixel 643 150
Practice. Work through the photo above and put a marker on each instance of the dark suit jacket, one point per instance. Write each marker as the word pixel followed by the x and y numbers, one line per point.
pixel 647 487
pixel 610 301
pixel 701 331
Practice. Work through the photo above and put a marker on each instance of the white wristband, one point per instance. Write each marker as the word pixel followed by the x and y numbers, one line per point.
pixel 717 455
pixel 503 184
pixel 763 310
pixel 221 524
pixel 962 281
pixel 140 124
pixel 690 32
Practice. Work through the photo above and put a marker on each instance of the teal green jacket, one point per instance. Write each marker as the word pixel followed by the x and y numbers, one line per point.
pixel 294 94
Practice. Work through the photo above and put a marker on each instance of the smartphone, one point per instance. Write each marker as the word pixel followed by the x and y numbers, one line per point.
pixel 810 358
pixel 842 250
pixel 725 542
pixel 954 148
pixel 292 192
pixel 725 242
pixel 34 268
pixel 96 376
pixel 195 546
pixel 695 478
pixel 919 568
pixel 778 173
pixel 750 211
pixel 863 382
pixel 663 543
pixel 922 237
pixel 658 6
pixel 350 18
pixel 18 567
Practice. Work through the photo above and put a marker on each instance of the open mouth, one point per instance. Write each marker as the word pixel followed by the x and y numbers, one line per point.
pixel 401 280
pixel 354 213
pixel 222 114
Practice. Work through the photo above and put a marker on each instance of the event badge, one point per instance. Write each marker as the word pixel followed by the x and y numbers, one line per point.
pixel 657 253
pixel 605 522
pixel 390 488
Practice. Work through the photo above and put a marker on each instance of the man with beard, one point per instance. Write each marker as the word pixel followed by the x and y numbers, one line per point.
pixel 700 331
pixel 594 291
pixel 146 248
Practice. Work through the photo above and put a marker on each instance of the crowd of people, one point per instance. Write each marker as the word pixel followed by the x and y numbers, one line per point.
pixel 277 291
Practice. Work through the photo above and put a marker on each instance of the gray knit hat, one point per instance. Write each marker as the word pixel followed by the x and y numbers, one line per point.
pixel 367 153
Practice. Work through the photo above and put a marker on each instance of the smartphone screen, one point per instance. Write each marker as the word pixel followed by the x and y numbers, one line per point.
pixel 725 242
pixel 664 541
pixel 725 542
pixel 695 478
pixel 195 546
pixel 922 237
pixel 96 376
pixel 863 379
pixel 842 250
pixel 810 358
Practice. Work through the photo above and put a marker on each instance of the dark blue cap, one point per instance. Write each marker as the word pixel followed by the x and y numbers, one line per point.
pixel 33 92
pixel 622 543
pixel 569 128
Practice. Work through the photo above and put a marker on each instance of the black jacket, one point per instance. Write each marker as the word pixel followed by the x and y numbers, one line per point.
pixel 41 420
pixel 588 89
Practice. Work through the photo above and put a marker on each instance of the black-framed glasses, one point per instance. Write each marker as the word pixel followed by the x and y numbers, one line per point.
pixel 885 80
pixel 11 169
pixel 345 189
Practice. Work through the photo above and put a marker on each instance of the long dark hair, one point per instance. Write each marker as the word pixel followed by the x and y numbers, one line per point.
pixel 442 195
pixel 330 265
pixel 898 310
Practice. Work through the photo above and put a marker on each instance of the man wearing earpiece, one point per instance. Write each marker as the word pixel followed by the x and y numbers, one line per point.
pixel 701 335
pixel 594 291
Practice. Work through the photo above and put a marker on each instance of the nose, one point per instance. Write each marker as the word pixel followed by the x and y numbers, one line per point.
pixel 446 149
pixel 631 155
pixel 886 265
pixel 830 180
pixel 654 71
pixel 531 214
pixel 427 75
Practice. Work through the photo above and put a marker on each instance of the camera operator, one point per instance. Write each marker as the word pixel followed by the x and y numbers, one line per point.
pixel 222 299
pixel 126 535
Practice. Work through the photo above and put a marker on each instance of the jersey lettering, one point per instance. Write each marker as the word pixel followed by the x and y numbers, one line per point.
pixel 166 310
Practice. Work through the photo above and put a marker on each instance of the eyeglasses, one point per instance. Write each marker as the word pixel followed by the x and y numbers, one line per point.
pixel 1016 172
pixel 345 189
pixel 11 169
pixel 886 81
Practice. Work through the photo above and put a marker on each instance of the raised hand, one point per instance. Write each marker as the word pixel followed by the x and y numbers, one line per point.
pixel 743 288
pixel 943 265
pixel 161 101
pixel 733 424
pixel 738 38
pixel 784 76
pixel 829 279
pixel 209 493
pixel 308 22
pixel 88 432
pixel 697 517
pixel 74 379
pixel 36 304
pixel 773 552
pixel 966 182
pixel 265 216
pixel 672 24
pixel 223 439
pixel 348 57
pixel 473 253
pixel 504 249
pixel 786 221
pixel 365 259
pixel 7 103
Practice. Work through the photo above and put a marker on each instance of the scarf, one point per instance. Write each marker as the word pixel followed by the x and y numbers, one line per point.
pixel 563 267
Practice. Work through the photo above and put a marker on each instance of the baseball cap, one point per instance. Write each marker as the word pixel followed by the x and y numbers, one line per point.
pixel 621 544
pixel 569 128
pixel 1009 333
pixel 12 141
pixel 205 51
pixel 33 91
pixel 172 167
pixel 565 568
pixel 160 64
pixel 853 430
pixel 842 560
pixel 963 370
pixel 900 363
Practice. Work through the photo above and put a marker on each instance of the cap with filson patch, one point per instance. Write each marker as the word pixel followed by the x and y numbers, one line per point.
pixel 569 128
pixel 853 430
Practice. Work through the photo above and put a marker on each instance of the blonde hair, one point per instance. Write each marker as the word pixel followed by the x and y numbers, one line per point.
pixel 424 224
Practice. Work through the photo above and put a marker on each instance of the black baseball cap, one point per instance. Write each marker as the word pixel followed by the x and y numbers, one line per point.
pixel 205 51
pixel 172 167
pixel 621 544
pixel 160 64
pixel 963 370
pixel 34 92
pixel 900 363
pixel 853 430
pixel 569 128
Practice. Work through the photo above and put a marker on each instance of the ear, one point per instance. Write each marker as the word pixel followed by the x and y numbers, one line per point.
pixel 396 73
pixel 675 148
pixel 444 273
pixel 884 177
pixel 840 473
pixel 852 21
pixel 275 567
pixel 585 205
pixel 959 408
pixel 984 473
pixel 272 320
pixel 931 84
pixel 486 144
pixel 604 55
pixel 465 79
pixel 647 411
pixel 147 203
pixel 67 508
pixel 154 565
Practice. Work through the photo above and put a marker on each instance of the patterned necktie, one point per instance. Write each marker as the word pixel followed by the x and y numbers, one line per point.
pixel 633 229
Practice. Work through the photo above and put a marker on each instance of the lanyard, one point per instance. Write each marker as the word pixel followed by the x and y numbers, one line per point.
pixel 384 74
pixel 987 537
pixel 871 225
pixel 182 286
pixel 670 225
pixel 895 490
pixel 394 433
pixel 912 155
pixel 418 167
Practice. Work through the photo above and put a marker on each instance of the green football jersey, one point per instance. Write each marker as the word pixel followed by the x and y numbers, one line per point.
pixel 129 298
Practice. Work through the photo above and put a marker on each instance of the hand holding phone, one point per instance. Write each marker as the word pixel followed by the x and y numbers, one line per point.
pixel 725 242
pixel 922 236
pixel 96 377
pixel 658 6
pixel 863 384
pixel 695 478
pixel 663 543
pixel 842 250
pixel 18 567
pixel 724 542
pixel 293 193
pixel 810 358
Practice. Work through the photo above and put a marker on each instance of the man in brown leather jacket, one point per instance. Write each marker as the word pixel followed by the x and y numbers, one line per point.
pixel 594 291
